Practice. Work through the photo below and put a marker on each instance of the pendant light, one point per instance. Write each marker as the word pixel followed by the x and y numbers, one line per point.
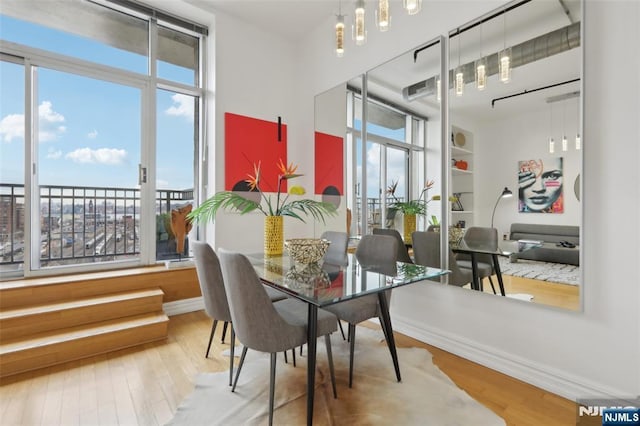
pixel 481 68
pixel 565 143
pixel 552 144
pixel 382 15
pixel 459 73
pixel 412 6
pixel 578 140
pixel 504 57
pixel 339 32
pixel 359 31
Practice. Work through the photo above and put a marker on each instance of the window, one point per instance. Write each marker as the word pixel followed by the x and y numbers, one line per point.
pixel 105 165
pixel 394 155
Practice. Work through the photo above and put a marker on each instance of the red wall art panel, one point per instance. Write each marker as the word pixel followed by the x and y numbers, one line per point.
pixel 250 141
pixel 329 167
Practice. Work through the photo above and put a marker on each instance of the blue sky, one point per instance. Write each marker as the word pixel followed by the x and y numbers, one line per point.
pixel 90 130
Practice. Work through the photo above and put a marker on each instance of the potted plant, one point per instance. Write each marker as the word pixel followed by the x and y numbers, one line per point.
pixel 273 209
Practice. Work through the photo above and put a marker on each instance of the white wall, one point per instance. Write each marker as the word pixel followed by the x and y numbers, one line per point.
pixel 591 353
pixel 595 352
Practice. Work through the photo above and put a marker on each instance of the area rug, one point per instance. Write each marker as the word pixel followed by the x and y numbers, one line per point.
pixel 543 271
pixel 426 396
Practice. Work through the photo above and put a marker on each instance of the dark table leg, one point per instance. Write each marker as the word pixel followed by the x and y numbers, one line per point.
pixel 496 266
pixel 391 342
pixel 474 270
pixel 312 332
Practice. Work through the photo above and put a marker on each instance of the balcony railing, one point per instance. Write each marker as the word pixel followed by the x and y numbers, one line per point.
pixel 79 224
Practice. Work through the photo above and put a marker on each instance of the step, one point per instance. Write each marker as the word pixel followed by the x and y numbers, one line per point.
pixel 23 322
pixel 56 347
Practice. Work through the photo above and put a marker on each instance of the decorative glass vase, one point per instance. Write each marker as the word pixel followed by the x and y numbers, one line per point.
pixel 409 226
pixel 273 240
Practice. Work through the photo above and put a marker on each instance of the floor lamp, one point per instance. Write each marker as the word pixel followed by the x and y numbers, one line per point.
pixel 506 193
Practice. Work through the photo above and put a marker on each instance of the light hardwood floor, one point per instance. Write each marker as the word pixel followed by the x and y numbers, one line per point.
pixel 145 385
pixel 558 295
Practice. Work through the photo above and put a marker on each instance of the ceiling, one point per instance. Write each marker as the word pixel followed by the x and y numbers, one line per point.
pixel 288 18
pixel 293 18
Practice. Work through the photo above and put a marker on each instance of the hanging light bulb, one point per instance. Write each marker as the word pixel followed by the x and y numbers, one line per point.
pixel 481 68
pixel 382 15
pixel 552 143
pixel 459 72
pixel 339 35
pixel 459 81
pixel 359 31
pixel 565 143
pixel 412 6
pixel 578 140
pixel 504 57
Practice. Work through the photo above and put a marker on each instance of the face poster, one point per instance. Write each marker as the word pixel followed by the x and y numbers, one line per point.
pixel 540 186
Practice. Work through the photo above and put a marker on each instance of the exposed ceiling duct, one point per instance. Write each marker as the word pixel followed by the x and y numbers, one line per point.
pixel 538 48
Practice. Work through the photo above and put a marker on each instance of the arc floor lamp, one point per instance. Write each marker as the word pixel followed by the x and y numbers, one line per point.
pixel 506 193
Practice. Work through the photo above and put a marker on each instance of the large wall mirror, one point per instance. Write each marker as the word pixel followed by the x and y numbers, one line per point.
pixel 515 125
pixel 397 138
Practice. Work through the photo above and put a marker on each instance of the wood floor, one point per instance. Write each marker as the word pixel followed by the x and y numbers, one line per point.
pixel 144 385
pixel 558 295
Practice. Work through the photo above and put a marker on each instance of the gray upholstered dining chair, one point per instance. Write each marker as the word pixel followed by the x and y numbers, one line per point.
pixel 377 252
pixel 337 252
pixel 403 253
pixel 214 295
pixel 426 251
pixel 486 237
pixel 265 326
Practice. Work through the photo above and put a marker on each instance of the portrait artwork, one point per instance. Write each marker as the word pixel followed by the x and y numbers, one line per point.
pixel 540 186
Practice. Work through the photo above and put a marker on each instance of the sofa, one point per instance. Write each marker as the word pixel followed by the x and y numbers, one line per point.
pixel 550 235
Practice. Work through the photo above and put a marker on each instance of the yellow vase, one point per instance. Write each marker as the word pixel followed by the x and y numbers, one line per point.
pixel 273 230
pixel 409 226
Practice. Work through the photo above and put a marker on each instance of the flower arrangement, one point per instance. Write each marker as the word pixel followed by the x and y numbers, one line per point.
pixel 282 207
pixel 418 206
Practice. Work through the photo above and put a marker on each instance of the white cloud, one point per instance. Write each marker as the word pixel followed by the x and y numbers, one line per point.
pixel 183 106
pixel 54 154
pixel 12 125
pixel 161 183
pixel 109 156
pixel 93 134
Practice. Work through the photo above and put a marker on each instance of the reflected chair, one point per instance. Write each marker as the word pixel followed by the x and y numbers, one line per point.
pixel 485 237
pixel 402 254
pixel 265 326
pixel 377 252
pixel 214 295
pixel 337 252
pixel 426 251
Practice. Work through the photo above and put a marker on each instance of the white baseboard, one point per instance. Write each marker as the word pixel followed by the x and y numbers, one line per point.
pixel 545 377
pixel 183 306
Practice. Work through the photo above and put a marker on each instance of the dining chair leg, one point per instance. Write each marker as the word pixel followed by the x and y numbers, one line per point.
pixel 293 351
pixel 213 330
pixel 492 286
pixel 301 346
pixel 224 331
pixel 341 330
pixel 352 341
pixel 272 386
pixel 286 359
pixel 327 342
pixel 235 381
pixel 232 355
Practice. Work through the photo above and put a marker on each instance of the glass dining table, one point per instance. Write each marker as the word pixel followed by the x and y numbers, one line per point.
pixel 323 285
pixel 505 248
